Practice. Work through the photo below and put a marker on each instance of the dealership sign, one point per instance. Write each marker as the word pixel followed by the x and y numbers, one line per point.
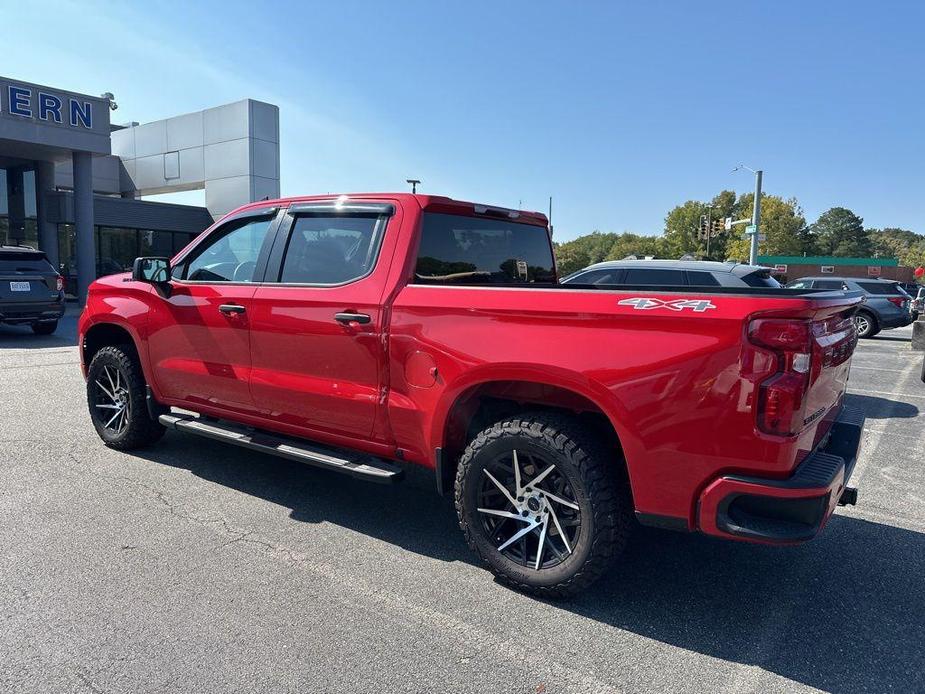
pixel 29 102
pixel 35 114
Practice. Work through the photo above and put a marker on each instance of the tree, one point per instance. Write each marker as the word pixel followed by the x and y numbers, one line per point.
pixel 782 222
pixel 840 232
pixel 683 222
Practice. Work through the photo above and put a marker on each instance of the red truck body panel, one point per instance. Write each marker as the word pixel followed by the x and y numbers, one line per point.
pixel 678 386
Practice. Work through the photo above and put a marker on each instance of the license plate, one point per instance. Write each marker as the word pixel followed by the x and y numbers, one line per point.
pixel 20 287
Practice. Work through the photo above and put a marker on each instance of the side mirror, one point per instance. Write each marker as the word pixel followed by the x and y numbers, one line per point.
pixel 152 270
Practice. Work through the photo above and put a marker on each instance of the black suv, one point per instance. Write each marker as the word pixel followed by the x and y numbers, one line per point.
pixel 31 290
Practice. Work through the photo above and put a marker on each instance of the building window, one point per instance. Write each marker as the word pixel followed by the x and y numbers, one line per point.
pixel 117 249
pixel 827 269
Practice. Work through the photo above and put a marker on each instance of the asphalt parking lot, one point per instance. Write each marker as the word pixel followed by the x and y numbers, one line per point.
pixel 197 567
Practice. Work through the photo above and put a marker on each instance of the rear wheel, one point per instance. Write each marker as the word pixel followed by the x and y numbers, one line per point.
pixel 543 503
pixel 45 327
pixel 866 324
pixel 116 398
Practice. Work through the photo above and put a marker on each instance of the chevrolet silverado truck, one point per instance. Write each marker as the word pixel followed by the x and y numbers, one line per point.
pixel 364 333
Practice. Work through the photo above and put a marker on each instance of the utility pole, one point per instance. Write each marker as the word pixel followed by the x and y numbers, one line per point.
pixel 414 184
pixel 756 220
pixel 709 229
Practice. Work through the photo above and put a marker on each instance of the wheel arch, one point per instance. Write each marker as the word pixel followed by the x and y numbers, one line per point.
pixel 482 401
pixel 105 334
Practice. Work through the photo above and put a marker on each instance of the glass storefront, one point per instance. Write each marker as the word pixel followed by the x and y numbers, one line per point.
pixel 116 249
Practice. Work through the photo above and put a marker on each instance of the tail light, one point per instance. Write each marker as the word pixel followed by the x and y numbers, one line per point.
pixel 799 351
pixel 780 397
pixel 59 283
pixel 896 301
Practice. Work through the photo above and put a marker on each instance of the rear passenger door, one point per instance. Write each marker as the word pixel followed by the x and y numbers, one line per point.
pixel 316 328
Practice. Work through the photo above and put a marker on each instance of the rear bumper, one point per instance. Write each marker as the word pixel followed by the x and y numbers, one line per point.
pixel 790 510
pixel 31 312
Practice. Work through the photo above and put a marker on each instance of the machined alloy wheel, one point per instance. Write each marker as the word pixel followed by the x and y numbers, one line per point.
pixel 544 501
pixel 519 502
pixel 112 398
pixel 116 393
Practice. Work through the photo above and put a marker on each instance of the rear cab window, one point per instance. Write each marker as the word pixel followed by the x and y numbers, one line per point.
pixel 460 250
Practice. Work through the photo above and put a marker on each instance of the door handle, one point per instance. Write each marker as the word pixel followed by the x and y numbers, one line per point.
pixel 347 318
pixel 228 309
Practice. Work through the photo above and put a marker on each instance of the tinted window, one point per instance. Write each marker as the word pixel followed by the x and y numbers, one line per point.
pixel 474 250
pixel 230 254
pixel 24 262
pixel 595 277
pixel 762 278
pixel 668 278
pixel 881 288
pixel 696 278
pixel 331 250
pixel 828 284
pixel 799 284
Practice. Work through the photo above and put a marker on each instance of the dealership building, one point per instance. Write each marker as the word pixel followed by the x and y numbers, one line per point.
pixel 71 182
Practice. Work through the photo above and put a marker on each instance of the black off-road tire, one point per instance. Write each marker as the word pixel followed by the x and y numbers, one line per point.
pixel 141 430
pixel 597 478
pixel 45 327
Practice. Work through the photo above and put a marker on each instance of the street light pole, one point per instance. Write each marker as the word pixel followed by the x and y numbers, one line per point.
pixel 752 229
pixel 756 219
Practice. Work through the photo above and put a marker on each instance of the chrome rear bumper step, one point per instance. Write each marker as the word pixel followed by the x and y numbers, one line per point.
pixel 360 465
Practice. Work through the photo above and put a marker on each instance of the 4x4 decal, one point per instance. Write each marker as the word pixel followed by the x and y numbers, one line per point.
pixel 646 304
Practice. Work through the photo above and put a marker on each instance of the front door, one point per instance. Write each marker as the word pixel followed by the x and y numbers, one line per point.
pixel 315 366
pixel 199 339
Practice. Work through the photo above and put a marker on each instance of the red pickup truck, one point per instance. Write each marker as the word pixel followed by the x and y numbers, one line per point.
pixel 360 333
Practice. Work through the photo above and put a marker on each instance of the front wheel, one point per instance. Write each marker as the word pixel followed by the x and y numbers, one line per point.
pixel 543 503
pixel 116 398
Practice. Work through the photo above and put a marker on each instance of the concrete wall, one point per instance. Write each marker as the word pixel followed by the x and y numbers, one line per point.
pixel 231 151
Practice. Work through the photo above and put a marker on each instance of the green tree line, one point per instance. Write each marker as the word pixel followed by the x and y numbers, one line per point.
pixel 837 232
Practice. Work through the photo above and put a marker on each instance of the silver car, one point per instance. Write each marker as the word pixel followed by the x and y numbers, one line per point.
pixel 673 273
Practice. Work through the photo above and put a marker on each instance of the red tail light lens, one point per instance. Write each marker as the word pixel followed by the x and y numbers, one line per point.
pixel 59 283
pixel 781 397
pixel 896 301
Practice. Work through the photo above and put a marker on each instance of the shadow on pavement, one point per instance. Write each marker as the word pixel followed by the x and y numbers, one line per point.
pixel 843 613
pixel 881 408
pixel 886 337
pixel 22 337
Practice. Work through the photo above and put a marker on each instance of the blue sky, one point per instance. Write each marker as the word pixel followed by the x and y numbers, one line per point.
pixel 617 110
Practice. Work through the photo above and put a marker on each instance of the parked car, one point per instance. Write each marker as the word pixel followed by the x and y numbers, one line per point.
pixel 887 305
pixel 673 273
pixel 31 290
pixel 918 303
pixel 362 333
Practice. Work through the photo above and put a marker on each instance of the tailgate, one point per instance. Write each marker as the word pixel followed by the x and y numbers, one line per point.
pixel 834 339
pixel 26 287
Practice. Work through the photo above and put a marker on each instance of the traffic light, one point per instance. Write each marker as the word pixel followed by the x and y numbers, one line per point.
pixel 702 230
pixel 718 228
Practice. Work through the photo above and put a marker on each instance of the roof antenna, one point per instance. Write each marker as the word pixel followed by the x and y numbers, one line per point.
pixel 414 184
